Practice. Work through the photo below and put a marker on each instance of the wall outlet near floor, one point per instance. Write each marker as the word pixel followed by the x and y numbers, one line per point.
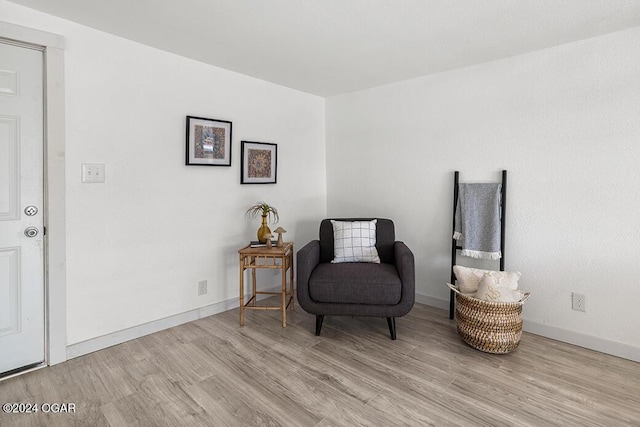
pixel 202 287
pixel 578 302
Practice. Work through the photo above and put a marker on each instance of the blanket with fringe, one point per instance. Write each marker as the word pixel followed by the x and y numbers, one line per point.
pixel 477 220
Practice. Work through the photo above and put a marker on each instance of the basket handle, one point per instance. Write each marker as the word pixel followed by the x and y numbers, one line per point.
pixel 525 297
pixel 453 288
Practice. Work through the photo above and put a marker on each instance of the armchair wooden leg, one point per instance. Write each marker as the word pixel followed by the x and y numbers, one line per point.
pixel 319 319
pixel 391 321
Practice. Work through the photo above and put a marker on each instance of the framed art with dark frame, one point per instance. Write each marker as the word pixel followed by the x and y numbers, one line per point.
pixel 259 163
pixel 208 142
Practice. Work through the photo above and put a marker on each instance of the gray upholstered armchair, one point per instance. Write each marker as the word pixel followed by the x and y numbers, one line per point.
pixel 356 288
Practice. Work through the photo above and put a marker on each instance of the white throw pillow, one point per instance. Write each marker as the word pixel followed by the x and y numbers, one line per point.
pixel 489 290
pixel 355 241
pixel 469 278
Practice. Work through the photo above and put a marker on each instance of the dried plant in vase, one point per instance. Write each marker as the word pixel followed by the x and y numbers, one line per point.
pixel 265 211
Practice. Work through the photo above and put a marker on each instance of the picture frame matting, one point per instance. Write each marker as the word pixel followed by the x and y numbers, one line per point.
pixel 208 142
pixel 259 163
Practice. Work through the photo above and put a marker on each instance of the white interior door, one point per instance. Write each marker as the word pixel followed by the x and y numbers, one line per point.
pixel 22 328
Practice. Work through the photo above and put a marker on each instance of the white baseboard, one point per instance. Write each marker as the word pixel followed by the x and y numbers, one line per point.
pixel 571 337
pixel 99 343
pixel 432 301
pixel 602 345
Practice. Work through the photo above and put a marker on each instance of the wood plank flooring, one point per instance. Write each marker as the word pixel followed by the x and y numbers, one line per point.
pixel 212 372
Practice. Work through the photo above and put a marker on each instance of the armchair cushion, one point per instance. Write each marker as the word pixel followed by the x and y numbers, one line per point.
pixel 354 241
pixel 356 283
pixel 385 239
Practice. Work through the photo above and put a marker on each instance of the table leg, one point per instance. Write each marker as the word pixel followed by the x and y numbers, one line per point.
pixel 241 290
pixel 253 279
pixel 293 295
pixel 284 292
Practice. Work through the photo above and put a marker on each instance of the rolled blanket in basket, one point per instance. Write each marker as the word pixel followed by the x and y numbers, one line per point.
pixel 477 220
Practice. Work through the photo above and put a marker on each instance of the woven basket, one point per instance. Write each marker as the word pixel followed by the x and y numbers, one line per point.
pixel 492 327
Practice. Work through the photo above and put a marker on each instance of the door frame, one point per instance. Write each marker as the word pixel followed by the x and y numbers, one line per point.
pixel 55 275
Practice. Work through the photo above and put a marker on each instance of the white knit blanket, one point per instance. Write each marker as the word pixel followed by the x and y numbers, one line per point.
pixel 477 220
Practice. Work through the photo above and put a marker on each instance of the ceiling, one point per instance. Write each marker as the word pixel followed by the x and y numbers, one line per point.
pixel 329 47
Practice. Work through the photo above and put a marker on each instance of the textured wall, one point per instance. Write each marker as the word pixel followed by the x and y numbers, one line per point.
pixel 563 121
pixel 138 244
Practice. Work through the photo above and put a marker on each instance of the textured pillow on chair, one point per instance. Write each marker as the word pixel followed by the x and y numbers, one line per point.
pixel 490 290
pixel 469 278
pixel 354 241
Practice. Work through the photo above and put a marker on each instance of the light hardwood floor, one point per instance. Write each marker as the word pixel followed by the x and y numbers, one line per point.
pixel 214 372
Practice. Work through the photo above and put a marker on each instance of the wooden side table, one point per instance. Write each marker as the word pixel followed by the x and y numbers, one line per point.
pixel 268 258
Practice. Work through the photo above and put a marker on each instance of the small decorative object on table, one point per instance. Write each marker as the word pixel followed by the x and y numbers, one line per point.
pixel 280 231
pixel 257 244
pixel 268 237
pixel 265 210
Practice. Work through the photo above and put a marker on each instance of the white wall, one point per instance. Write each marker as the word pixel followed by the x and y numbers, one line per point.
pixel 564 122
pixel 138 244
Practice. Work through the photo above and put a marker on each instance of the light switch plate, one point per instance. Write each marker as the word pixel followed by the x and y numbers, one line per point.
pixel 92 172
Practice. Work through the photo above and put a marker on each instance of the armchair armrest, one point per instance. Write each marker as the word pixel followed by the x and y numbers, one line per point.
pixel 307 259
pixel 405 264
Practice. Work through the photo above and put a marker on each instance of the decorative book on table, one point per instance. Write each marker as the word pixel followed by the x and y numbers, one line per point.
pixel 257 244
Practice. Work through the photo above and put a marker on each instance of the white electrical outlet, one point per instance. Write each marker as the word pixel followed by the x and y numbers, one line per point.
pixel 92 172
pixel 202 287
pixel 578 302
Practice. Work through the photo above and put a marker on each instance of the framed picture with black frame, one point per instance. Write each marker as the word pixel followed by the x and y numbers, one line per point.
pixel 259 163
pixel 208 142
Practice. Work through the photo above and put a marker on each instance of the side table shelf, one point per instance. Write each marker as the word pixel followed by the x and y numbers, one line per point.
pixel 267 258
